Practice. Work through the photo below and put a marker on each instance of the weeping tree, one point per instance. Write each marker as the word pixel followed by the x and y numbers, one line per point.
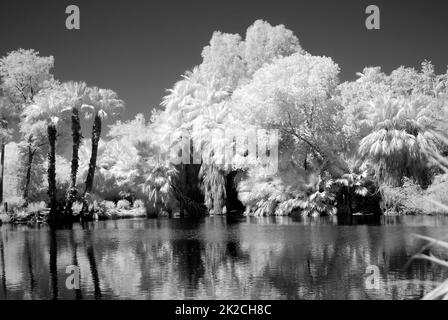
pixel 193 109
pixel 214 187
pixel 400 138
pixel 100 104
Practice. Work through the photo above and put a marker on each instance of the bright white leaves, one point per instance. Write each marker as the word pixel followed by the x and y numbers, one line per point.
pixel 292 94
pixel 200 106
pixel 400 137
pixel 103 102
pixel 265 42
pixel 24 73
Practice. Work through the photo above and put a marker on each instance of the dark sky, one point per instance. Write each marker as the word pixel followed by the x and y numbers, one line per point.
pixel 140 48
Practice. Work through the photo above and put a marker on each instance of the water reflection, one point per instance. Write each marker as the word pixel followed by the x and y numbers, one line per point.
pixel 219 258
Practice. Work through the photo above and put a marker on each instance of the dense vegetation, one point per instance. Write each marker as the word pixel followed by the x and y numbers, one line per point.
pixel 369 145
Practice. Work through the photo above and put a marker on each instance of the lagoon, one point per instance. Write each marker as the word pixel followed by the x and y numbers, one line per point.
pixel 222 257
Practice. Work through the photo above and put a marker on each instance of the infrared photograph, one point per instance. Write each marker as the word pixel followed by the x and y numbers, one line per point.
pixel 223 157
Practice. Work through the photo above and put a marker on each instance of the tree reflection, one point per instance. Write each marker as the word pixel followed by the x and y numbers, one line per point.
pixel 53 264
pixel 29 260
pixel 93 266
pixel 3 265
pixel 215 259
pixel 74 246
pixel 187 255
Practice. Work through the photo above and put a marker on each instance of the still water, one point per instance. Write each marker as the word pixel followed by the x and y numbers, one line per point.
pixel 221 258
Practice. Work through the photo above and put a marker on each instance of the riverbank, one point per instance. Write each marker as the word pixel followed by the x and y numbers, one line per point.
pixel 23 216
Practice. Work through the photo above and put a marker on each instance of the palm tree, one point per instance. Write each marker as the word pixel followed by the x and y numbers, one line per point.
pixel 319 200
pixel 214 187
pixel 196 107
pixel 48 105
pixel 159 187
pixel 400 138
pixel 5 108
pixel 351 184
pixel 33 147
pixel 102 102
pixel 75 96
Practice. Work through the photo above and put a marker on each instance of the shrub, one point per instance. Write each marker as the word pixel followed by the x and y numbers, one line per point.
pixel 127 195
pixel 319 203
pixel 264 194
pixel 412 199
pixel 402 200
pixel 77 207
pixel 15 203
pixel 36 206
pixel 435 198
pixel 138 204
pixel 393 199
pixel 106 210
pixel 108 205
pixel 124 204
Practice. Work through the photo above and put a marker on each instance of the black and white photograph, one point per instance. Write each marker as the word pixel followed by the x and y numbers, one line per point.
pixel 199 151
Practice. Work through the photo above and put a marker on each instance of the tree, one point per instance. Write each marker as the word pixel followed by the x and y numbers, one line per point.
pixel 294 94
pixel 223 61
pixel 32 148
pixel 75 95
pixel 23 74
pixel 197 109
pixel 401 137
pixel 49 105
pixel 354 95
pixel 403 82
pixel 101 103
pixel 264 42
pixel 198 106
pixel 117 159
pixel 5 135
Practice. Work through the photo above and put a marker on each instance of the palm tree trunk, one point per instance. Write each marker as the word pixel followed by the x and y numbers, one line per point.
pixel 51 130
pixel 96 134
pixel 76 136
pixel 28 173
pixel 2 170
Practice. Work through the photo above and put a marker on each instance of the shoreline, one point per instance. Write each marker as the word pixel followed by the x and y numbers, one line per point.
pixel 40 218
